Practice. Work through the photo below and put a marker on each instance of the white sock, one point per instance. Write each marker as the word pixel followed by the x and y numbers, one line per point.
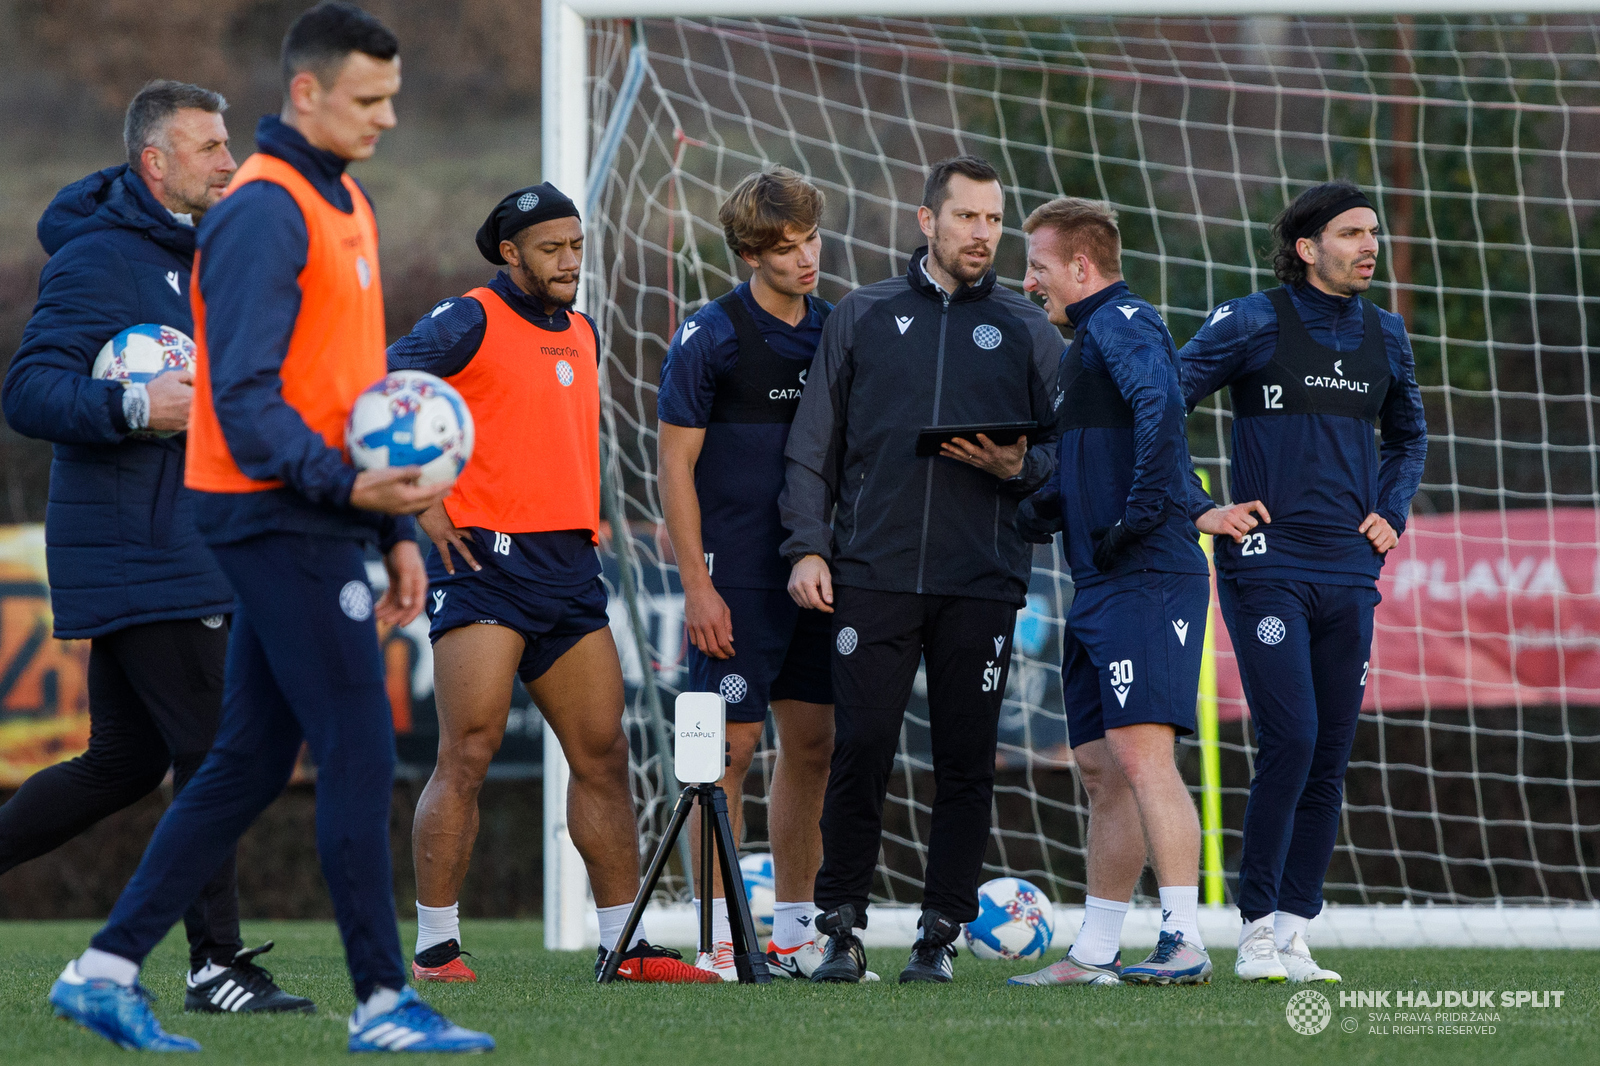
pixel 1180 913
pixel 206 973
pixel 792 925
pixel 1249 928
pixel 1286 925
pixel 721 930
pixel 435 925
pixel 382 1001
pixel 95 965
pixel 612 919
pixel 1101 933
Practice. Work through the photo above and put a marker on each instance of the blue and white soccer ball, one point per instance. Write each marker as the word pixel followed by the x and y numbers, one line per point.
pixel 759 889
pixel 1015 921
pixel 411 418
pixel 142 353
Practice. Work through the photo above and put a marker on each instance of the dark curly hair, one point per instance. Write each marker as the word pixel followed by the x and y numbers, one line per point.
pixel 1288 226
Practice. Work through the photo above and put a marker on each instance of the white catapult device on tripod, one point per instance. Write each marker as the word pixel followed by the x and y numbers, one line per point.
pixel 700 757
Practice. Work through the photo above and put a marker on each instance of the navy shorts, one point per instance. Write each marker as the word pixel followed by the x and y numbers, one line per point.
pixel 1131 653
pixel 780 653
pixel 550 624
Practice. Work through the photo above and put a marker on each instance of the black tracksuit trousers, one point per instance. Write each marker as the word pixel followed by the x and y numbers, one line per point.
pixel 878 639
pixel 155 698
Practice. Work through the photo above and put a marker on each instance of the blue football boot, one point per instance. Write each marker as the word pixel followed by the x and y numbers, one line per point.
pixel 1173 962
pixel 120 1013
pixel 412 1025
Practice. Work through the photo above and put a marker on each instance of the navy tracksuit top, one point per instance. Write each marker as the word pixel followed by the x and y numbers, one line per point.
pixel 744 396
pixel 120 527
pixel 1310 375
pixel 1124 455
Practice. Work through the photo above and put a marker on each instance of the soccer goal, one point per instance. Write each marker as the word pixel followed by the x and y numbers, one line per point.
pixel 1472 808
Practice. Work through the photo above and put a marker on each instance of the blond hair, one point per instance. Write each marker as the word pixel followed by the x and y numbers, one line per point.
pixel 1085 226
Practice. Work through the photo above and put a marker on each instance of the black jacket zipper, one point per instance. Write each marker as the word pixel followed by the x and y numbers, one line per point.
pixel 927 492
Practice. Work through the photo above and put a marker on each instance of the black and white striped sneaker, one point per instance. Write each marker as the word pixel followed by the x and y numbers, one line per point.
pixel 244 987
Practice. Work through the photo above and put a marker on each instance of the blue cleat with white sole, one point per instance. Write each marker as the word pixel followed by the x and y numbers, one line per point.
pixel 120 1013
pixel 1173 962
pixel 412 1025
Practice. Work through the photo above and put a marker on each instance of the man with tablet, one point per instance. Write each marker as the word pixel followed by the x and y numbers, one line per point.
pixel 915 556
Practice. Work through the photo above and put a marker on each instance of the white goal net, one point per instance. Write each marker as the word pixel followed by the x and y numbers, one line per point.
pixel 1476 773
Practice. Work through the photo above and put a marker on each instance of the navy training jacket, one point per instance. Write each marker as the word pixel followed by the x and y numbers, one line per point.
pixel 1124 451
pixel 122 545
pixel 1318 471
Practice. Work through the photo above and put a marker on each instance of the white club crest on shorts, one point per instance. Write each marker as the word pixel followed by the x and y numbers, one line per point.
pixel 1308 1012
pixel 733 688
pixel 212 621
pixel 564 372
pixel 847 640
pixel 1271 630
pixel 986 337
pixel 355 600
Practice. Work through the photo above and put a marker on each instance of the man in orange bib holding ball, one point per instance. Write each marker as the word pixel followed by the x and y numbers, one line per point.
pixel 288 317
pixel 516 590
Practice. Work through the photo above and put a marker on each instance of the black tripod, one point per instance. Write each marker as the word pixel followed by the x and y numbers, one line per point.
pixel 748 958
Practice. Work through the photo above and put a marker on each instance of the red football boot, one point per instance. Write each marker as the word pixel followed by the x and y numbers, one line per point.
pixel 442 962
pixel 648 964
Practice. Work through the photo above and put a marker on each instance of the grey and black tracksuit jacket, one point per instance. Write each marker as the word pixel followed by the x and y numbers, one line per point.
pixel 896 357
pixel 927 562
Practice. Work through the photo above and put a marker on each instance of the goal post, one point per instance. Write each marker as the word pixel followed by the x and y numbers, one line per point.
pixel 1472 790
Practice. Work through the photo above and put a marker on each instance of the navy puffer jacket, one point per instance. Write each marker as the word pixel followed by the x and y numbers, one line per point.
pixel 122 545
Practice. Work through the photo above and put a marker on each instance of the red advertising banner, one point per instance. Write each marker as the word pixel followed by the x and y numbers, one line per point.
pixel 1480 609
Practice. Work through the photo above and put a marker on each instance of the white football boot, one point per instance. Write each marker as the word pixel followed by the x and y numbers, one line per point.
pixel 801 962
pixel 1302 968
pixel 719 962
pixel 1258 958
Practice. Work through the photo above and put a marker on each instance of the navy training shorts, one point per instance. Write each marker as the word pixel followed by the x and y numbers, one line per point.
pixel 549 624
pixel 1131 653
pixel 780 652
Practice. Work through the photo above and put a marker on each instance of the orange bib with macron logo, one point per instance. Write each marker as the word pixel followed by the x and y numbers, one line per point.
pixel 535 400
pixel 337 348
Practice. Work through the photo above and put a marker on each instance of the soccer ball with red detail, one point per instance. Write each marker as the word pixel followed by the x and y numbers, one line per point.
pixel 1015 921
pixel 142 353
pixel 411 418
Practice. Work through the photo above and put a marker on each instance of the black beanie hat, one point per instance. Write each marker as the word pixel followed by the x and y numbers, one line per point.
pixel 519 210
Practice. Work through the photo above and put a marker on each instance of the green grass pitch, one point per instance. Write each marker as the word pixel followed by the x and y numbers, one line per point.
pixel 544 1007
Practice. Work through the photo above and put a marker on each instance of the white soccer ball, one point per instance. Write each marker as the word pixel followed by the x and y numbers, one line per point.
pixel 142 353
pixel 1015 921
pixel 411 418
pixel 759 889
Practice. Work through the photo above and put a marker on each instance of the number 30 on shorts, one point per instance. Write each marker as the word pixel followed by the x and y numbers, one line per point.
pixel 1122 672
